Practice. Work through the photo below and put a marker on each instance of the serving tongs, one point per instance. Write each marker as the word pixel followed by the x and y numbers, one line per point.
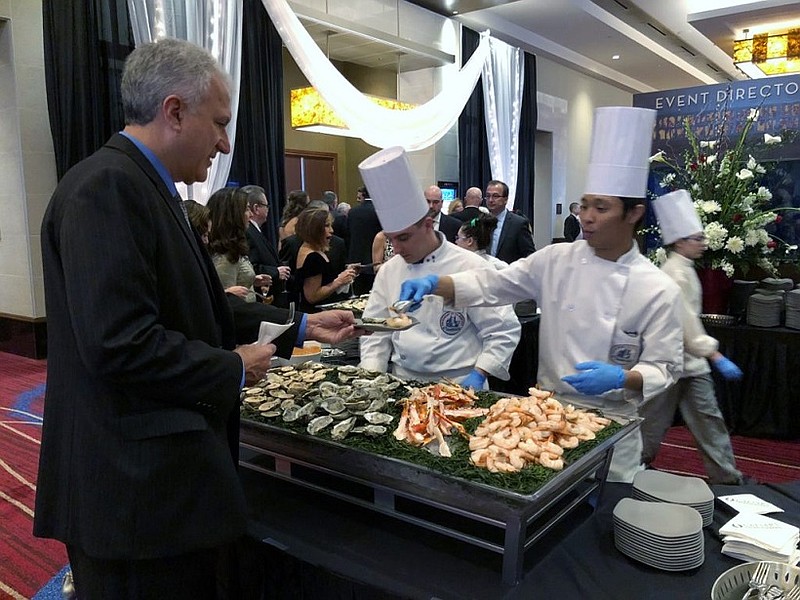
pixel 401 307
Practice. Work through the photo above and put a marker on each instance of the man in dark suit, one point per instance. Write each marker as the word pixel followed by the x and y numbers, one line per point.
pixel 363 225
pixel 262 254
pixel 512 239
pixel 572 226
pixel 473 198
pixel 444 223
pixel 136 474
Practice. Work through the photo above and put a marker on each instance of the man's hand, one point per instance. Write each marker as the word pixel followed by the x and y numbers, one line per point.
pixel 727 368
pixel 256 359
pixel 474 380
pixel 284 272
pixel 332 326
pixel 262 280
pixel 238 290
pixel 416 289
pixel 596 378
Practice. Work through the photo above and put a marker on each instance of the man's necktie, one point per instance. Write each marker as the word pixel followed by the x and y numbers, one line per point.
pixel 179 200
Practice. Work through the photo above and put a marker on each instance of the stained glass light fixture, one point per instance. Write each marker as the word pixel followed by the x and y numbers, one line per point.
pixel 768 54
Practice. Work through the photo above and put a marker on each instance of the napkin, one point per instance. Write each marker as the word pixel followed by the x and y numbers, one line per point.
pixel 749 503
pixel 269 331
pixel 751 536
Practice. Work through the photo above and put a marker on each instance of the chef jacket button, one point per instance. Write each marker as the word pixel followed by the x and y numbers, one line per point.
pixel 570 307
pixel 403 356
pixel 584 261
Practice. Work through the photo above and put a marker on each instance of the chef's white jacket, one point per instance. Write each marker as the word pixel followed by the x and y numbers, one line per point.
pixel 625 313
pixel 447 342
pixel 698 345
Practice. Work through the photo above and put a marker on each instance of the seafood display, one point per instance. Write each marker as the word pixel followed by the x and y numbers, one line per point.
pixel 534 430
pixel 341 400
pixel 396 323
pixel 355 305
pixel 434 411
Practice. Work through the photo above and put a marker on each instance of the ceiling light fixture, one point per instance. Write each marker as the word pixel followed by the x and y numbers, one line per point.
pixel 310 112
pixel 766 54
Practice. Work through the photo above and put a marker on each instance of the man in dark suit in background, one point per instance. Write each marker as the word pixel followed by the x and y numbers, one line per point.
pixel 339 218
pixel 363 225
pixel 512 239
pixel 262 254
pixel 572 225
pixel 136 472
pixel 444 223
pixel 473 198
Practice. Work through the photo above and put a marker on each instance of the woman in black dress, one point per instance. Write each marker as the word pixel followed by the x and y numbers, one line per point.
pixel 317 279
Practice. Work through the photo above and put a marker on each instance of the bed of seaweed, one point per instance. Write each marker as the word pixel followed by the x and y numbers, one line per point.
pixel 525 482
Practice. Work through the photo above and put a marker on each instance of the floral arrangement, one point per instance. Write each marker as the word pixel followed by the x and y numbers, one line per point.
pixel 725 183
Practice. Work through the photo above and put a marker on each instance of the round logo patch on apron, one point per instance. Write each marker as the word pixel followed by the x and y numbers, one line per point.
pixel 451 322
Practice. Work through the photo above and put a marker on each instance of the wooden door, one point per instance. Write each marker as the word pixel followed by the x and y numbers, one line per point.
pixel 314 172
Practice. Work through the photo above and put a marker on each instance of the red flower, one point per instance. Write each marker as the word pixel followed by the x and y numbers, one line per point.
pixel 693 167
pixel 737 217
pixel 778 218
pixel 771 244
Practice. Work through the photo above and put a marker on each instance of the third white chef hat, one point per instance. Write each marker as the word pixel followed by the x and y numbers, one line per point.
pixel 622 137
pixel 393 188
pixel 677 216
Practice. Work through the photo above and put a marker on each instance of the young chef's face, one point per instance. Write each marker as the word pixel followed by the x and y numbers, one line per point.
pixel 692 247
pixel 606 226
pixel 414 243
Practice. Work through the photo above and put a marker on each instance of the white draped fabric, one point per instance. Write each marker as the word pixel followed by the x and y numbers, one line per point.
pixel 215 25
pixel 502 92
pixel 413 129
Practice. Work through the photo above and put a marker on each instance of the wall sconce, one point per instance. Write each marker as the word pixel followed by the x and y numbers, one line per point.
pixel 766 54
pixel 310 112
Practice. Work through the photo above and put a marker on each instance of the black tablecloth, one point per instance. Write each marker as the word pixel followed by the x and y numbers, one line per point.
pixel 303 544
pixel 766 402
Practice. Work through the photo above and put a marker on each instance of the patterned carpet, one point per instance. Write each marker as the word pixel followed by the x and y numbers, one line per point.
pixel 32 567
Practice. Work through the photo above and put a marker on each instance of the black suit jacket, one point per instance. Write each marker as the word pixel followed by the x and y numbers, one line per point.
pixel 449 227
pixel 572 228
pixel 363 225
pixel 142 389
pixel 516 240
pixel 264 257
pixel 469 213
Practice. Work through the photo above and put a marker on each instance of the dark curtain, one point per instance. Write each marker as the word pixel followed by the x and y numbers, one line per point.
pixel 527 139
pixel 85 47
pixel 473 147
pixel 258 154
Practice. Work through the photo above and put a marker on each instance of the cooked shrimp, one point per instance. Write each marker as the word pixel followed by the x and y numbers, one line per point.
pixel 551 462
pixel 479 443
pixel 568 442
pixel 508 439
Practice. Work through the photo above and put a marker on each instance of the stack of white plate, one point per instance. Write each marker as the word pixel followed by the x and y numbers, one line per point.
pixel 764 308
pixel 793 309
pixel 658 486
pixel 664 536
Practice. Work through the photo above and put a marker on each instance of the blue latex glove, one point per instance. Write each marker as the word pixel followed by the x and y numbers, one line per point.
pixel 474 380
pixel 415 289
pixel 596 378
pixel 728 368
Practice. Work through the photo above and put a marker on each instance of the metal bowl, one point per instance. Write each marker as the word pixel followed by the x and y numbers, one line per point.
pixel 710 319
pixel 733 583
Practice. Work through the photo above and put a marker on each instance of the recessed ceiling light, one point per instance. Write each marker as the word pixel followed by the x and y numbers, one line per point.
pixel 615 57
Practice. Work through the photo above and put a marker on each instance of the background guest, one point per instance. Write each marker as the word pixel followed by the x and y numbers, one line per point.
pixel 382 250
pixel 441 222
pixel 512 239
pixel 296 201
pixel 455 207
pixel 476 235
pixel 363 226
pixel 473 198
pixel 316 278
pixel 227 243
pixel 572 224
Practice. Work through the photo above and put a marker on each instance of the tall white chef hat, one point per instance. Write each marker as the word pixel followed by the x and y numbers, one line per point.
pixel 393 188
pixel 677 216
pixel 621 140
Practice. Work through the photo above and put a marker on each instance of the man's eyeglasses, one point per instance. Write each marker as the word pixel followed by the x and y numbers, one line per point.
pixel 262 204
pixel 696 238
pixel 493 196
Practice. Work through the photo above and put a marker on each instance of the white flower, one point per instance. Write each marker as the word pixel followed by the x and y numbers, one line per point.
pixel 753 115
pixel 668 179
pixel 772 139
pixel 751 163
pixel 710 144
pixel 711 159
pixel 727 267
pixel 752 238
pixel 660 256
pixel 744 174
pixel 764 194
pixel 657 157
pixel 710 207
pixel 715 234
pixel 734 244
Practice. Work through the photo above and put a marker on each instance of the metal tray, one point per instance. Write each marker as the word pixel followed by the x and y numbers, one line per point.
pixel 443 503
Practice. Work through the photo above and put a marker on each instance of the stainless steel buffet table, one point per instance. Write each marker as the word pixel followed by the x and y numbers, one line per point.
pixel 493 519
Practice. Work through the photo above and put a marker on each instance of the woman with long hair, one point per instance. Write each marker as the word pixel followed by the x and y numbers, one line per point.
pixel 296 202
pixel 476 235
pixel 227 243
pixel 315 276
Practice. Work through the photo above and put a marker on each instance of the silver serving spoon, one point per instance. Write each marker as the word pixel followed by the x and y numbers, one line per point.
pixel 403 306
